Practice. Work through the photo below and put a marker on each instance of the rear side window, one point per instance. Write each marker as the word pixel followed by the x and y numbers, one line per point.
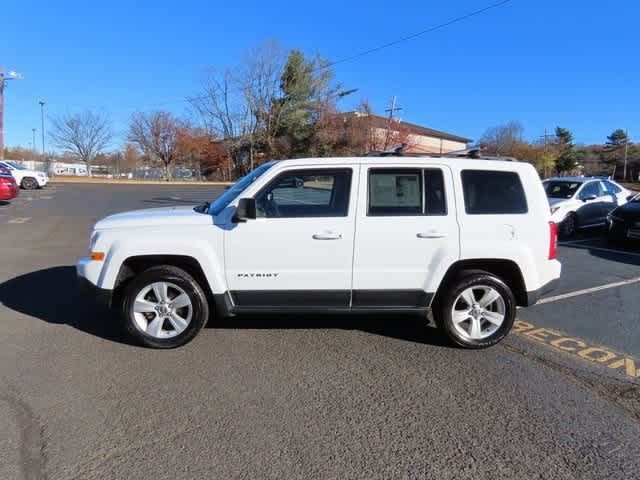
pixel 395 192
pixel 611 187
pixel 489 192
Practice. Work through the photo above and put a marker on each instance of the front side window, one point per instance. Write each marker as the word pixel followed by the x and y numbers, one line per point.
pixel 488 192
pixel 306 193
pixel 592 189
pixel 236 189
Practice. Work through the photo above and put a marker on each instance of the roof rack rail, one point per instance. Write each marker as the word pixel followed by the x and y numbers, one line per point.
pixel 471 152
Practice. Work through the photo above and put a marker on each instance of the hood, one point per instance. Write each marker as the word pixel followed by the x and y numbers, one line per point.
pixel 556 201
pixel 154 217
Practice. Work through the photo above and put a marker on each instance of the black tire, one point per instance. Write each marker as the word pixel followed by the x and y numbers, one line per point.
pixel 569 226
pixel 29 183
pixel 178 277
pixel 445 307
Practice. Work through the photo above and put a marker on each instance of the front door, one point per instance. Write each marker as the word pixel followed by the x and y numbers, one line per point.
pixel 592 211
pixel 298 252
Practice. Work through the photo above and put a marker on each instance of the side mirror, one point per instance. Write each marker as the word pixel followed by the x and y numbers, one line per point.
pixel 589 198
pixel 246 210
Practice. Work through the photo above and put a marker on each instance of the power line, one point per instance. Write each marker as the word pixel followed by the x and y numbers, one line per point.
pixel 414 35
pixel 359 54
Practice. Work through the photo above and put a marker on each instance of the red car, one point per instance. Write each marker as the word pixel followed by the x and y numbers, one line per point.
pixel 8 187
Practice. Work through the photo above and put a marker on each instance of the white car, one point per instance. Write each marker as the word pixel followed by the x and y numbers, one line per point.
pixel 468 240
pixel 27 179
pixel 583 202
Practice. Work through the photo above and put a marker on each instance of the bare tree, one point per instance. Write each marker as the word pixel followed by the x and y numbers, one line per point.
pixel 503 139
pixel 238 104
pixel 83 135
pixel 155 133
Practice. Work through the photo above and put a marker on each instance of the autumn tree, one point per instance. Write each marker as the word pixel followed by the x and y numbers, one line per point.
pixel 198 148
pixel 83 135
pixel 155 133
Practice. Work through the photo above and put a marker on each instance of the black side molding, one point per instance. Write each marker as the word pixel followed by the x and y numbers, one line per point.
pixel 322 301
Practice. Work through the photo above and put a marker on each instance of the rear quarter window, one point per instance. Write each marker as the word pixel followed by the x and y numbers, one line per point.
pixel 488 192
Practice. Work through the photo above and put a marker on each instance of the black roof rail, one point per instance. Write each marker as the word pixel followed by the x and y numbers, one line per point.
pixel 471 152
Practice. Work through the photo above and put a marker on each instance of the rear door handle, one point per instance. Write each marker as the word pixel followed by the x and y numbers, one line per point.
pixel 432 234
pixel 327 236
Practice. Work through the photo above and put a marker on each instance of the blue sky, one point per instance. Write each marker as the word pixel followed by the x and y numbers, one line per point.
pixel 545 63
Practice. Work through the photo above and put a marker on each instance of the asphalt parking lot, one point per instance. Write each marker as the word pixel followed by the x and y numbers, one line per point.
pixel 309 397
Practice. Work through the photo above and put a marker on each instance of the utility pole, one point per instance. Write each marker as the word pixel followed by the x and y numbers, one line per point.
pixel 391 111
pixel 626 153
pixel 545 137
pixel 3 80
pixel 42 102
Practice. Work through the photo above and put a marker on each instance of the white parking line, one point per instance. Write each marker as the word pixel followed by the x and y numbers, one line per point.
pixel 589 290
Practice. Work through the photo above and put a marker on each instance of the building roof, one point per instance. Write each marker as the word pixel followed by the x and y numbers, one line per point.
pixel 381 122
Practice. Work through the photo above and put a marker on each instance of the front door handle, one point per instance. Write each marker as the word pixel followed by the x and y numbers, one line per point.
pixel 431 234
pixel 327 236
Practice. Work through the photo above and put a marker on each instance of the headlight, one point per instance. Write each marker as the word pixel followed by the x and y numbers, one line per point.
pixel 554 210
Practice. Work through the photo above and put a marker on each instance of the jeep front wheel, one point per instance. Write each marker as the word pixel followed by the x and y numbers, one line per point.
pixel 164 307
pixel 477 311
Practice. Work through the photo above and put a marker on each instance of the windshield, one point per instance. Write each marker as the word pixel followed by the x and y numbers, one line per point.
pixel 561 189
pixel 227 197
pixel 17 165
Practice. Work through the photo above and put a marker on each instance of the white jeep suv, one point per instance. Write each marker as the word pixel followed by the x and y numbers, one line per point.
pixel 468 240
pixel 26 178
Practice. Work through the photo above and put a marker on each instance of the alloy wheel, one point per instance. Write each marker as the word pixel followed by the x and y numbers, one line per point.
pixel 478 312
pixel 162 310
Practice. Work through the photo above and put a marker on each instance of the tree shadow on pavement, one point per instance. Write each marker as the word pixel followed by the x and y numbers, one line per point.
pixel 51 295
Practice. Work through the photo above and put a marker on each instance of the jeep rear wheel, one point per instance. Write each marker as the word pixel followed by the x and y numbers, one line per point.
pixel 164 307
pixel 477 311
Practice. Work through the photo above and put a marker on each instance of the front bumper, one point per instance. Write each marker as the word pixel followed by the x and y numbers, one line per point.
pixel 88 273
pixel 102 297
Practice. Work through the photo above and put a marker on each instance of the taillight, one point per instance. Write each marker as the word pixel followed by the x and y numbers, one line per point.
pixel 6 181
pixel 553 240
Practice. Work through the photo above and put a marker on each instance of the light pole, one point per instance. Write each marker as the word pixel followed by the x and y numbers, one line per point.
pixel 3 79
pixel 42 102
pixel 33 144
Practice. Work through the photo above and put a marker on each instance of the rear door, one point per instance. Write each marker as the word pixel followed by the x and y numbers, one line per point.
pixel 406 231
